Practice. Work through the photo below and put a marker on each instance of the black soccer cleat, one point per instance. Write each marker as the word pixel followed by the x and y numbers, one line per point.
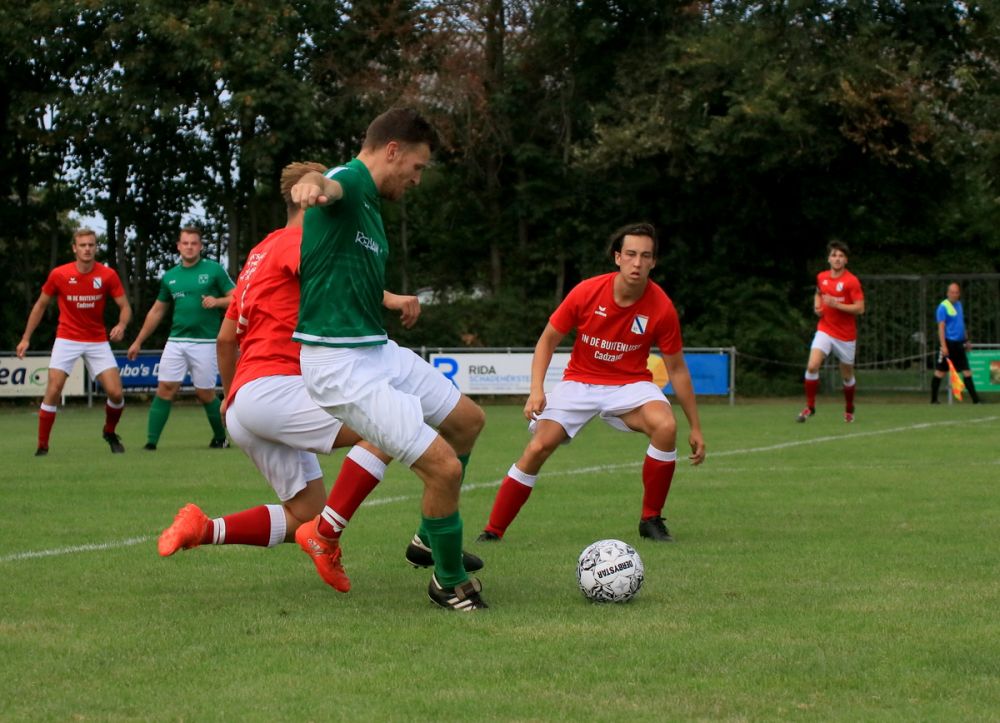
pixel 219 444
pixel 805 414
pixel 419 555
pixel 487 536
pixel 464 598
pixel 654 529
pixel 41 451
pixel 115 442
pixel 150 446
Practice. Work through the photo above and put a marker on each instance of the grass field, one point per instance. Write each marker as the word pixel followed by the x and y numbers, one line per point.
pixel 821 572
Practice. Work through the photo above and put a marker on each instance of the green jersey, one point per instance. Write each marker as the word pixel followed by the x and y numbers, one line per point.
pixel 185 286
pixel 342 267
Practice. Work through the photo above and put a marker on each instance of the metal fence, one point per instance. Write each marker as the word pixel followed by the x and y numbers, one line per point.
pixel 897 335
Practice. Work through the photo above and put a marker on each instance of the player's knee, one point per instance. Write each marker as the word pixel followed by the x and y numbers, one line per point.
pixel 539 450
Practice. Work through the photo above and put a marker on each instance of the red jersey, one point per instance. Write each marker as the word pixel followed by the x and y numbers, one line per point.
pixel 81 299
pixel 846 289
pixel 265 308
pixel 613 342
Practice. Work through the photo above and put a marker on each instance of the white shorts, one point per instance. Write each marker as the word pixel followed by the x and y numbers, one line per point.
pixel 385 393
pixel 844 350
pixel 181 356
pixel 573 404
pixel 96 355
pixel 281 429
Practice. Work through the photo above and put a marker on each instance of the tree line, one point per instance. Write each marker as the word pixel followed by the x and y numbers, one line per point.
pixel 748 132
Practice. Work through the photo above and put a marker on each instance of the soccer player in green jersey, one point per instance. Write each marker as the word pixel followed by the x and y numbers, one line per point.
pixel 387 394
pixel 200 291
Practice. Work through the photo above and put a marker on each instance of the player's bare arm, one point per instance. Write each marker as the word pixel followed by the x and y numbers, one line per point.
pixel 227 350
pixel 856 308
pixel 315 189
pixel 153 318
pixel 545 347
pixel 34 319
pixel 942 339
pixel 217 302
pixel 124 317
pixel 407 306
pixel 818 304
pixel 680 378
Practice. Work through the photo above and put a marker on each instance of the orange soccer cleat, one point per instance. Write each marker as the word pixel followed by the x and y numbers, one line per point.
pixel 186 531
pixel 325 555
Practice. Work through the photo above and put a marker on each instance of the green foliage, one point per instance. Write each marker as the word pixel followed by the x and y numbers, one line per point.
pixel 748 132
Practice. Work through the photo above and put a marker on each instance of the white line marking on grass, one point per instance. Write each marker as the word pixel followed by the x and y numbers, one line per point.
pixel 76 548
pixel 558 473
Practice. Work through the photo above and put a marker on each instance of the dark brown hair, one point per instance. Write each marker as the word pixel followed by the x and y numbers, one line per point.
pixel 403 125
pixel 632 229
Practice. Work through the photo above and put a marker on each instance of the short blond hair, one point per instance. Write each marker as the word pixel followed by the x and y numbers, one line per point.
pixel 293 173
pixel 81 232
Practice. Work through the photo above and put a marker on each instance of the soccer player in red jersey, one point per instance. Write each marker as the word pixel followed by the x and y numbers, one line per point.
pixel 618 317
pixel 838 303
pixel 81 288
pixel 271 417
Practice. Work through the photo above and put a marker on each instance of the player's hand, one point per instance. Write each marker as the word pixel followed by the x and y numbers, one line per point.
pixel 133 351
pixel 306 195
pixel 407 306
pixel 222 410
pixel 22 346
pixel 208 302
pixel 117 332
pixel 944 352
pixel 697 443
pixel 818 310
pixel 534 406
pixel 830 301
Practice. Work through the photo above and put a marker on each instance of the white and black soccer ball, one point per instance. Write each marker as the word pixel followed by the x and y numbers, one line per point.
pixel 610 571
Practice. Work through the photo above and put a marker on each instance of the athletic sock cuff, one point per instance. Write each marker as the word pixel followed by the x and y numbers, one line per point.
pixel 278 525
pixel 812 376
pixel 367 461
pixel 116 406
pixel 850 382
pixel 443 525
pixel 50 408
pixel 659 454
pixel 528 480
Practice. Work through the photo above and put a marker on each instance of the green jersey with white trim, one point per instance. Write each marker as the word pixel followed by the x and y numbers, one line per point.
pixel 342 267
pixel 185 286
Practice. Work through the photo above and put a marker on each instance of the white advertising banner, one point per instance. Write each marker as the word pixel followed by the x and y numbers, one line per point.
pixel 498 373
pixel 28 377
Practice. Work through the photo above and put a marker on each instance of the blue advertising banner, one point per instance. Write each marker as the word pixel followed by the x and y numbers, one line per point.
pixel 141 372
pixel 709 373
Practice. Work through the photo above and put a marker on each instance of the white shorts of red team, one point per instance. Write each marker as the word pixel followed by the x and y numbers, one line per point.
pixel 844 350
pixel 387 394
pixel 281 430
pixel 573 404
pixel 97 355
pixel 199 358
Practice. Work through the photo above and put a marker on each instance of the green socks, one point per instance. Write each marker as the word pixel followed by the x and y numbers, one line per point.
pixel 445 535
pixel 159 412
pixel 215 419
pixel 422 532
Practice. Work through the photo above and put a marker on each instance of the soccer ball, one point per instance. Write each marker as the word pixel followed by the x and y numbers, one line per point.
pixel 610 571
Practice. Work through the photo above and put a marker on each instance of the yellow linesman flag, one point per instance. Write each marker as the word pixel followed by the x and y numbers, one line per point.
pixel 957 385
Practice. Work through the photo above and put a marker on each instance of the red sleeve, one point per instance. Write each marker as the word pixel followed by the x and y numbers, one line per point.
pixel 857 294
pixel 669 339
pixel 232 312
pixel 115 288
pixel 564 318
pixel 50 288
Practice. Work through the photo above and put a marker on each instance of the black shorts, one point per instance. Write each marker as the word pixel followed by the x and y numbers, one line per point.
pixel 956 352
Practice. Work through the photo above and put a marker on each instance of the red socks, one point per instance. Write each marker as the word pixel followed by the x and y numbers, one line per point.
pixel 849 396
pixel 262 526
pixel 657 474
pixel 514 492
pixel 46 418
pixel 112 413
pixel 812 386
pixel 359 475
